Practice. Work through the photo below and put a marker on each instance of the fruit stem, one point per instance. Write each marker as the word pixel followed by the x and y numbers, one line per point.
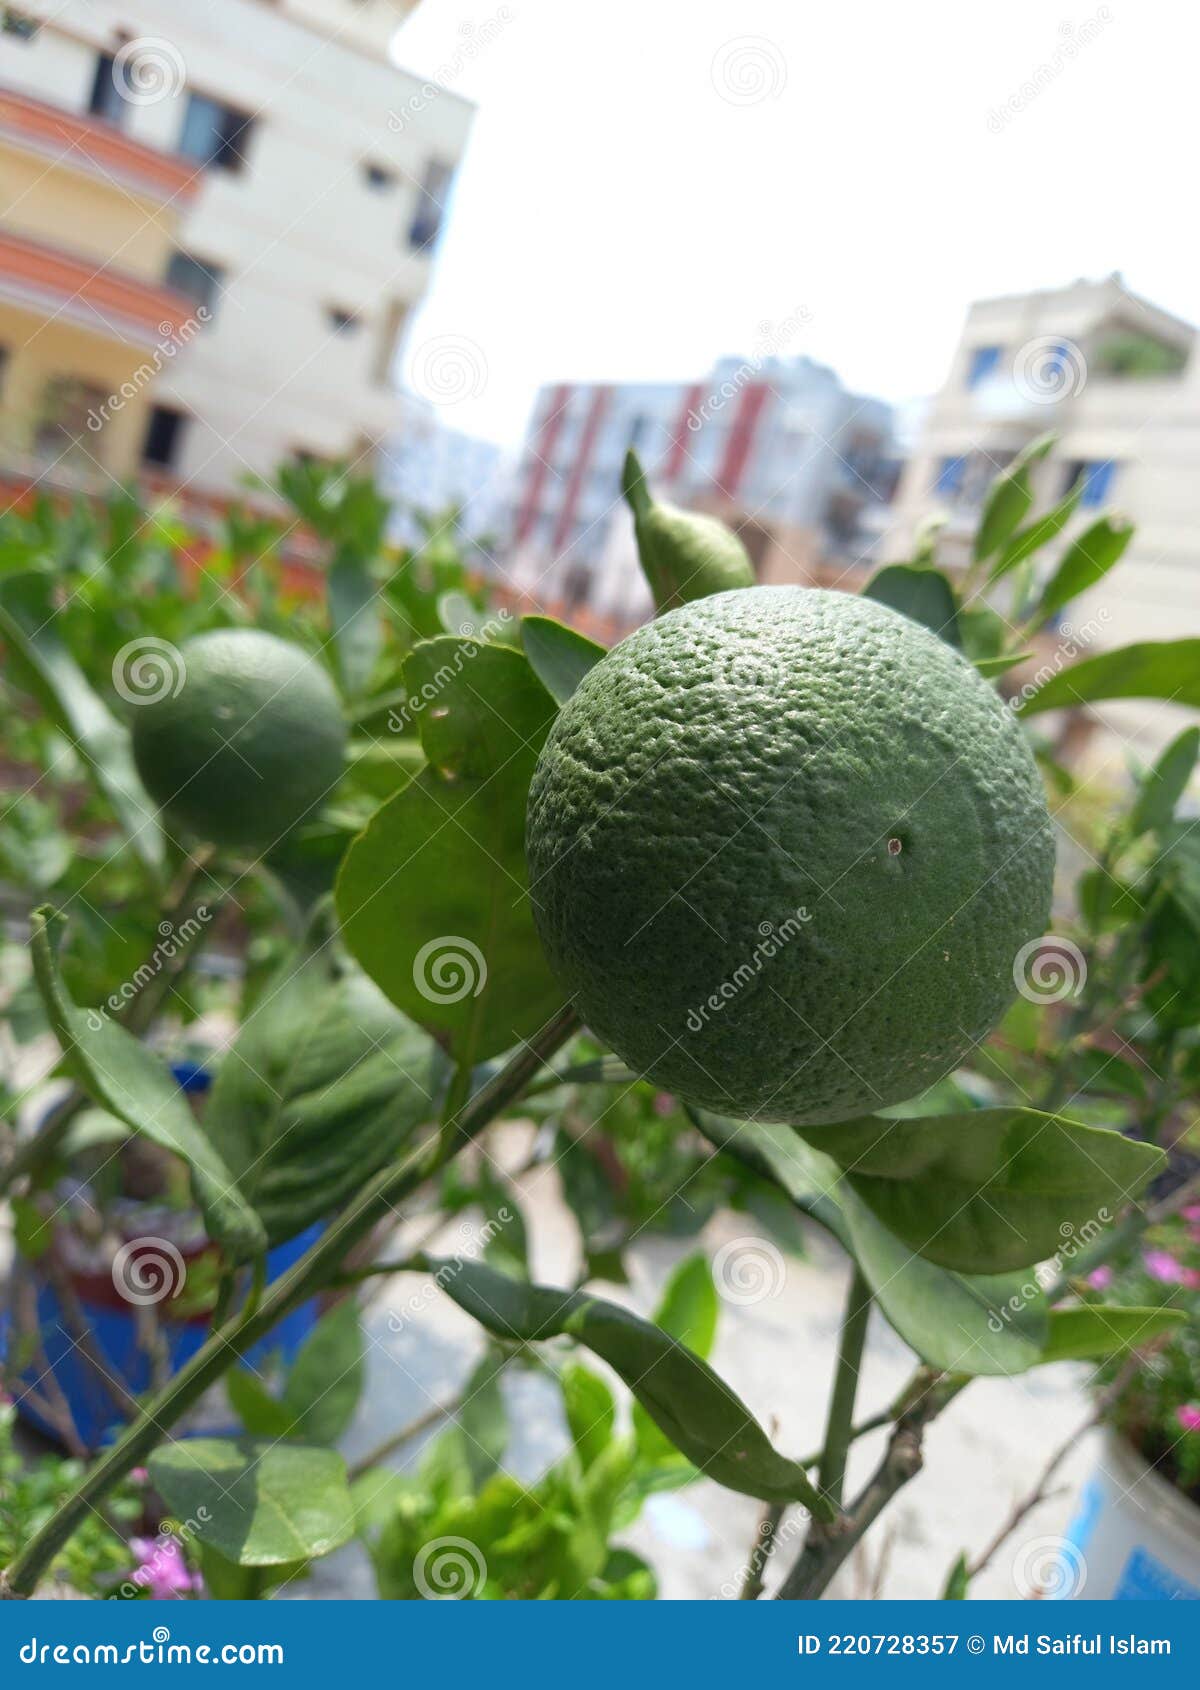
pixel 223 1346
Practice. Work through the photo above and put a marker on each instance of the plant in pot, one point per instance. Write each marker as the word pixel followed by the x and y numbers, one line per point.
pixel 768 817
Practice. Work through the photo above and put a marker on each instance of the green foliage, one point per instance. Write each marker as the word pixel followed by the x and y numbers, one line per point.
pixel 921 593
pixel 559 656
pixel 255 1503
pixel 322 1388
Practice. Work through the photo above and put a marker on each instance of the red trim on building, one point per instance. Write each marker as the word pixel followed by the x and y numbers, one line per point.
pixel 601 399
pixel 79 142
pixel 110 302
pixel 548 432
pixel 692 397
pixel 741 438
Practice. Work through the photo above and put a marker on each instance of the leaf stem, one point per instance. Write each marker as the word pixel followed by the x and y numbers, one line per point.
pixel 831 1474
pixel 222 1348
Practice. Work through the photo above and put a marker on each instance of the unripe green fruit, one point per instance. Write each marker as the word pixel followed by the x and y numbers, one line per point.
pixel 784 846
pixel 250 742
pixel 684 554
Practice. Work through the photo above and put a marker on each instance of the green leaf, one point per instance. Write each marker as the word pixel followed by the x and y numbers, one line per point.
pixel 923 595
pixel 994 1324
pixel 261 1414
pixel 590 1409
pixel 433 896
pixel 1165 784
pixel 1009 499
pixel 326 1379
pixel 135 1085
pixel 696 1410
pixel 958 1580
pixel 483 1418
pixel 352 596
pixel 1095 1331
pixel 27 620
pixel 325 1083
pixel 560 656
pixel 1038 534
pixel 33 1231
pixel 258 1504
pixel 1085 561
pixel 991 666
pixel 988 1191
pixel 688 1307
pixel 1167 669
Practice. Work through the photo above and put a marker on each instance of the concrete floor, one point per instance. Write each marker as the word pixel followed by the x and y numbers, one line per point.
pixel 981 1455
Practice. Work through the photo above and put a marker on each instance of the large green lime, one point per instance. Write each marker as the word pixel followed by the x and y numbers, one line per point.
pixel 249 742
pixel 784 846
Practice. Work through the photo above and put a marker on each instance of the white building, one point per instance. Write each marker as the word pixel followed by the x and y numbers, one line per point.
pixel 429 469
pixel 300 234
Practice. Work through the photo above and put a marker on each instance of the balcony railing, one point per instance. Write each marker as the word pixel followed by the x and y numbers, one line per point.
pixel 53 283
pixel 85 144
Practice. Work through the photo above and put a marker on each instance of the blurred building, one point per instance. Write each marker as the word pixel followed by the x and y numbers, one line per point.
pixel 1118 380
pixel 428 469
pixel 217 220
pixel 776 447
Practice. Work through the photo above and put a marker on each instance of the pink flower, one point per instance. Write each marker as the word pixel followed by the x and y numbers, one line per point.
pixel 1192 1212
pixel 1100 1278
pixel 161 1568
pixel 1190 1277
pixel 1188 1417
pixel 1161 1265
pixel 139 1475
pixel 664 1103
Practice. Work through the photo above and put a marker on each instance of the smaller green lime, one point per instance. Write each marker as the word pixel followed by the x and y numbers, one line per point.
pixel 249 742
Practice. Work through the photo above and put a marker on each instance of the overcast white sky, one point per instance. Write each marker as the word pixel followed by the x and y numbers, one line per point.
pixel 650 181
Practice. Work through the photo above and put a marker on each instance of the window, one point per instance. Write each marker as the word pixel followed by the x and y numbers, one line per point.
pixel 164 436
pixel 19 24
pixel 1097 477
pixel 950 476
pixel 107 100
pixel 985 361
pixel 215 134
pixel 340 320
pixel 378 177
pixel 390 329
pixel 70 417
pixel 426 224
pixel 198 281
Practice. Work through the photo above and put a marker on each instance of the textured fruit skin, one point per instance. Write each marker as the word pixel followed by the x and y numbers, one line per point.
pixel 252 742
pixel 762 753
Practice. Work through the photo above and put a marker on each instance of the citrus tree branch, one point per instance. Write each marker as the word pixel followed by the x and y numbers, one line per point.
pixel 223 1347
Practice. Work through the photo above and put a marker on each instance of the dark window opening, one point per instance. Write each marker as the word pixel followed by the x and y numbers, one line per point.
pixel 106 99
pixel 426 223
pixel 378 176
pixel 340 320
pixel 214 134
pixel 164 435
pixel 195 279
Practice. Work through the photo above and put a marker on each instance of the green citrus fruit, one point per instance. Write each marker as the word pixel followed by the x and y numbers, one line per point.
pixel 249 741
pixel 784 846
